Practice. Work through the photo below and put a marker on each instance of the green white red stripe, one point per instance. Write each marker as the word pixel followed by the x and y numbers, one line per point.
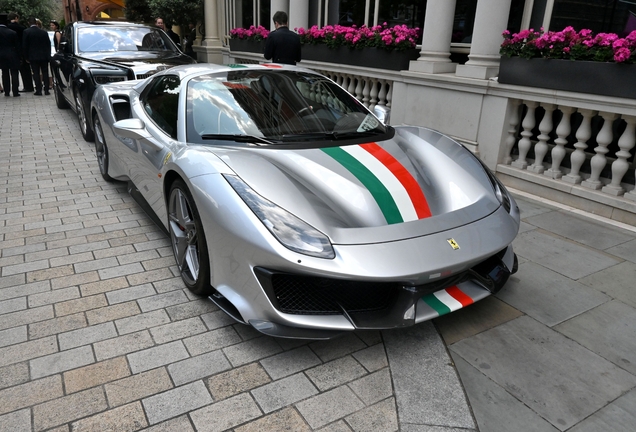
pixel 447 300
pixel 393 187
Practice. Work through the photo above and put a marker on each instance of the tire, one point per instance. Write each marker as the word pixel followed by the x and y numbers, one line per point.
pixel 85 128
pixel 101 149
pixel 188 240
pixel 60 101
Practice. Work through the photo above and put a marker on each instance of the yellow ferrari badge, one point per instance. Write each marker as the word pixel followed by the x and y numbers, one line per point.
pixel 453 243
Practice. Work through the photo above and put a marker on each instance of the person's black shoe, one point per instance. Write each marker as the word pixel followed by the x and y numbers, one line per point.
pixel 7 94
pixel 16 95
pixel 47 93
pixel 37 93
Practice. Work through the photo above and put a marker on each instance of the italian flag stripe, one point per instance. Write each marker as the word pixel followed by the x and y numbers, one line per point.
pixel 396 192
pixel 377 189
pixel 447 300
pixel 459 295
pixel 409 183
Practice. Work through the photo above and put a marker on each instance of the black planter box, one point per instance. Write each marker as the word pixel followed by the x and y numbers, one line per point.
pixel 366 57
pixel 607 79
pixel 244 45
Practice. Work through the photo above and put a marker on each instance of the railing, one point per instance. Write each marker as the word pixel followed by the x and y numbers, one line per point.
pixel 573 144
pixel 370 86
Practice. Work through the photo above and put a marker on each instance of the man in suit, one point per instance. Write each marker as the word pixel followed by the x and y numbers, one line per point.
pixel 37 50
pixel 9 60
pixel 175 37
pixel 25 68
pixel 282 45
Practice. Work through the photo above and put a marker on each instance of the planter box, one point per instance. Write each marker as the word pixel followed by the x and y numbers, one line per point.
pixel 244 45
pixel 366 57
pixel 607 79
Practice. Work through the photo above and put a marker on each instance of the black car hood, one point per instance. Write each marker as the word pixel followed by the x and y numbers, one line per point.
pixel 140 58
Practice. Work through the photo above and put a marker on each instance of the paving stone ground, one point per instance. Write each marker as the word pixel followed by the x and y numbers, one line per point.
pixel 97 332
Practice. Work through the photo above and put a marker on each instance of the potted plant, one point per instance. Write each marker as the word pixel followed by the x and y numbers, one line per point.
pixel 377 47
pixel 569 60
pixel 251 39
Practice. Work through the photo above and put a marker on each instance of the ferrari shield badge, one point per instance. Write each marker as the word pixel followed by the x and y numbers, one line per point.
pixel 453 243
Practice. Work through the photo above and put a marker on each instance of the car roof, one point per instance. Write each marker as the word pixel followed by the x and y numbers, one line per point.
pixel 109 23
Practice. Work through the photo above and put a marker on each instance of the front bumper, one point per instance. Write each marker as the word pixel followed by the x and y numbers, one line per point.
pixel 371 305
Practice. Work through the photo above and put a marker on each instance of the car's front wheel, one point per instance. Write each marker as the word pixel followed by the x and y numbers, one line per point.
pixel 101 149
pixel 86 130
pixel 188 240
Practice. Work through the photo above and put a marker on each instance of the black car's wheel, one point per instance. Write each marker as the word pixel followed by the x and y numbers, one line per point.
pixel 101 149
pixel 60 101
pixel 86 130
pixel 188 240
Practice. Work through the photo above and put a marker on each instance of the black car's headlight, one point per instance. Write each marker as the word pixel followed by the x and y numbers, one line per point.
pixel 292 232
pixel 108 76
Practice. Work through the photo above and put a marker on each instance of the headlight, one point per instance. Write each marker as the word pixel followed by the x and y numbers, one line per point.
pixel 292 232
pixel 108 76
pixel 500 191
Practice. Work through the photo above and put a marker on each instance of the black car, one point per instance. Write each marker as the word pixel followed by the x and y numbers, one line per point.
pixel 94 53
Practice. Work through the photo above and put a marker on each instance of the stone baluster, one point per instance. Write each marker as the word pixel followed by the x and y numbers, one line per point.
pixel 620 166
pixel 541 147
pixel 511 139
pixel 352 86
pixel 529 121
pixel 598 162
pixel 382 94
pixel 389 94
pixel 358 90
pixel 366 92
pixel 558 152
pixel 577 157
pixel 374 93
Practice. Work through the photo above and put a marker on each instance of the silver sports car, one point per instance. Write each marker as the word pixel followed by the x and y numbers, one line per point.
pixel 296 209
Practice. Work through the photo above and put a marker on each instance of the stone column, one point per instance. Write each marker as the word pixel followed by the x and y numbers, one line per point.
pixel 278 5
pixel 491 19
pixel 298 14
pixel 436 40
pixel 210 50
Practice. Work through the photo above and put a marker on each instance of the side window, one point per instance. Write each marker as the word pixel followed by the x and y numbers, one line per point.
pixel 161 102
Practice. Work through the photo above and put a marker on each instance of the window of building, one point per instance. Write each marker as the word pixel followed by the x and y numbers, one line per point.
pixel 606 16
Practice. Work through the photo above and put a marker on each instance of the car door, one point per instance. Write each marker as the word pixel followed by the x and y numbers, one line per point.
pixel 158 108
pixel 63 61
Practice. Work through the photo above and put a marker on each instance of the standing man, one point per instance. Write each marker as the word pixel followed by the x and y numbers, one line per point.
pixel 25 69
pixel 37 50
pixel 9 60
pixel 282 45
pixel 175 37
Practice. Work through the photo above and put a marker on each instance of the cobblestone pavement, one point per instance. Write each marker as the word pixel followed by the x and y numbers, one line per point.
pixel 98 333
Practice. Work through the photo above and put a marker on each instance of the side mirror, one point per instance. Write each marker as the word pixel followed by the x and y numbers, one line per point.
pixel 134 128
pixel 63 46
pixel 382 113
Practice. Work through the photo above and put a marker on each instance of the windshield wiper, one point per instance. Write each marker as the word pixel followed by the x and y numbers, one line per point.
pixel 238 138
pixel 331 136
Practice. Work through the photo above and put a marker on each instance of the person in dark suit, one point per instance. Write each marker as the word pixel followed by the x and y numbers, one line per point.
pixel 282 45
pixel 25 68
pixel 159 22
pixel 36 46
pixel 9 60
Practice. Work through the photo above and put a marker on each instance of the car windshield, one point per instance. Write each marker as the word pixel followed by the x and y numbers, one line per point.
pixel 274 106
pixel 111 38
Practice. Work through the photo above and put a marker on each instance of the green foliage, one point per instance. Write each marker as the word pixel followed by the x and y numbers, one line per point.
pixel 138 11
pixel 42 9
pixel 178 12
